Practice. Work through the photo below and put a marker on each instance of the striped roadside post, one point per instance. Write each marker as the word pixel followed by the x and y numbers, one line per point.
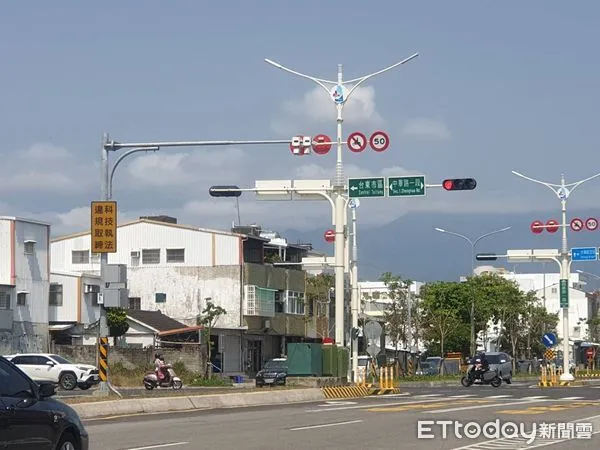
pixel 103 360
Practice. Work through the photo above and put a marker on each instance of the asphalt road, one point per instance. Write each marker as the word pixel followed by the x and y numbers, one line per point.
pixel 382 422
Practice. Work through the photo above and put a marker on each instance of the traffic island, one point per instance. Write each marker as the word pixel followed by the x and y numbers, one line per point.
pixel 345 391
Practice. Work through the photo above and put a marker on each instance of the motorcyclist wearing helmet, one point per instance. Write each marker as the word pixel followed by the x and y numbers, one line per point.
pixel 480 359
pixel 160 366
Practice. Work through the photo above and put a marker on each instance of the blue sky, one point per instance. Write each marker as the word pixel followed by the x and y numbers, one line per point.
pixel 497 86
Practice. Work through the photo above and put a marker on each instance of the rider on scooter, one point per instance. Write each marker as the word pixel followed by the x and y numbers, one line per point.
pixel 160 368
pixel 480 359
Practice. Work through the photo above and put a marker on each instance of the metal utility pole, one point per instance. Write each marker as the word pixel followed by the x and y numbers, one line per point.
pixel 563 191
pixel 355 299
pixel 473 243
pixel 339 93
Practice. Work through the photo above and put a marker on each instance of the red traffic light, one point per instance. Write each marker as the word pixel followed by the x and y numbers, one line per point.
pixel 459 184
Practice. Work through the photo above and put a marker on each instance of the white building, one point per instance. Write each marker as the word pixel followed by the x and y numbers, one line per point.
pixel 374 298
pixel 178 269
pixel 73 307
pixel 24 284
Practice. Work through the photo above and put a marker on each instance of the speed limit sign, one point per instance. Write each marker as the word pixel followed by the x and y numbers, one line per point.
pixel 379 141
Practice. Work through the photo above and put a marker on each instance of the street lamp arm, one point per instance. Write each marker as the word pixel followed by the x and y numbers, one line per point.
pixel 319 81
pixel 371 75
pixel 548 185
pixel 490 234
pixel 455 234
pixel 121 158
pixel 580 182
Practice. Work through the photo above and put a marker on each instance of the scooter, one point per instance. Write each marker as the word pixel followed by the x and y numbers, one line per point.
pixel 151 380
pixel 489 377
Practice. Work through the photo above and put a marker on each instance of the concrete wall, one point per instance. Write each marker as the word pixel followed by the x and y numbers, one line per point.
pixel 7 241
pixel 187 289
pixel 271 277
pixel 193 358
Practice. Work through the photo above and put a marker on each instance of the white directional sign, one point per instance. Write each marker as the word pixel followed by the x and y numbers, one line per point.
pixel 379 141
pixel 357 142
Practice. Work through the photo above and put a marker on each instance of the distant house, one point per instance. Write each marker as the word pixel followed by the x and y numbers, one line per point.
pixel 154 329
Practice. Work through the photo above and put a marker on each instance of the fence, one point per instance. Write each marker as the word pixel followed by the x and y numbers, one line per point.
pixel 26 343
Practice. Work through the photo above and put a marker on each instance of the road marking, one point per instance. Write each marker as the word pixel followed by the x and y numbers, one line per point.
pixel 427 395
pixel 463 396
pixel 498 396
pixel 409 407
pixel 571 398
pixel 521 442
pixel 170 444
pixel 557 407
pixel 463 408
pixel 535 397
pixel 343 408
pixel 338 403
pixel 323 425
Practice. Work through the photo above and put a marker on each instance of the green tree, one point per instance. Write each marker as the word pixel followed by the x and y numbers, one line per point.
pixel 208 319
pixel 441 307
pixel 395 313
pixel 116 319
pixel 538 321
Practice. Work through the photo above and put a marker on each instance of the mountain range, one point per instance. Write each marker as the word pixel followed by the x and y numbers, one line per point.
pixel 411 248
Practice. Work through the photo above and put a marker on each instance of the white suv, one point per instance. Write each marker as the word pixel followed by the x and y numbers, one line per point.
pixel 49 367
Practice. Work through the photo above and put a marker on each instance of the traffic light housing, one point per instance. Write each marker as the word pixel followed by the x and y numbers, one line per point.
pixel 459 184
pixel 486 257
pixel 225 191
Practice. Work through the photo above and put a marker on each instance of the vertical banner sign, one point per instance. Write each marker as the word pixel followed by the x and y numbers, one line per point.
pixel 103 360
pixel 104 227
pixel 564 293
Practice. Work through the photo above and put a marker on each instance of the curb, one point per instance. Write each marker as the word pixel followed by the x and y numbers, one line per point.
pixel 386 391
pixel 119 408
pixel 560 383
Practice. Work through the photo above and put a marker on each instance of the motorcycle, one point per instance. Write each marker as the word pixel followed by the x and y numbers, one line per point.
pixel 152 381
pixel 477 373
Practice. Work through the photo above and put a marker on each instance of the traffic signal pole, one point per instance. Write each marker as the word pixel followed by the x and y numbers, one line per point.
pixel 339 93
pixel 563 191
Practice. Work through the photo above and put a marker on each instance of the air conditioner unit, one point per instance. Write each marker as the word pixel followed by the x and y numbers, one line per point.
pixel 91 288
pixel 267 324
pixel 135 254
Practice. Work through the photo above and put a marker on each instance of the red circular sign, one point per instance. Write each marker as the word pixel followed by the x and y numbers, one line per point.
pixel 321 144
pixel 357 142
pixel 537 226
pixel 379 141
pixel 552 226
pixel 576 224
pixel 591 224
pixel 329 236
pixel 589 352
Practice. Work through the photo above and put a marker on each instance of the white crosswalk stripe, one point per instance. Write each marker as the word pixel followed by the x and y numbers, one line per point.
pixel 498 396
pixel 427 395
pixel 571 398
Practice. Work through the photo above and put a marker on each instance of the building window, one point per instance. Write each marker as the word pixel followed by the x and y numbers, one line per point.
pixel 4 300
pixel 259 301
pixel 135 259
pixel 151 256
pixel 554 290
pixel 56 294
pixel 29 247
pixel 175 255
pixel 294 303
pixel 135 303
pixel 92 294
pixel 160 297
pixel 95 258
pixel 21 298
pixel 80 257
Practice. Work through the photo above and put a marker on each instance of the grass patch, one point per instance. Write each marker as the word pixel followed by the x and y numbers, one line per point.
pixel 121 376
pixel 215 380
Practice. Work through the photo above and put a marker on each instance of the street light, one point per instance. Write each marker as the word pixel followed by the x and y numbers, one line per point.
pixel 563 191
pixel 473 243
pixel 337 91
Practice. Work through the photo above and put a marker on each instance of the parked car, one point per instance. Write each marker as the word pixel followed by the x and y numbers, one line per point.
pixel 31 419
pixel 503 363
pixel 273 373
pixel 50 367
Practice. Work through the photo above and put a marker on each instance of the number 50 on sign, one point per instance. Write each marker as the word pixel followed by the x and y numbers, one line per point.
pixel 104 227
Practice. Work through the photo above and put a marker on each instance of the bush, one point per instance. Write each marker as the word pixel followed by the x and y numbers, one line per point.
pixel 215 380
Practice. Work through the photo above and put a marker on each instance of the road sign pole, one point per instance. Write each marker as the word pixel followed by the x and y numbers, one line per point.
pixel 103 325
pixel 354 300
pixel 337 91
pixel 563 191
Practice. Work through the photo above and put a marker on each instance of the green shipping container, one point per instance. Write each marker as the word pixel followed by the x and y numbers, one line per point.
pixel 330 360
pixel 305 359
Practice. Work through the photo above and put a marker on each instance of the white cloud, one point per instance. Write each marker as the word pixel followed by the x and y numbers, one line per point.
pixel 44 151
pixel 426 129
pixel 186 169
pixel 316 108
pixel 38 180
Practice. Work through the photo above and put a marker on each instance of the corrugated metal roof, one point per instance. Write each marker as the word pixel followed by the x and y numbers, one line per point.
pixel 153 222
